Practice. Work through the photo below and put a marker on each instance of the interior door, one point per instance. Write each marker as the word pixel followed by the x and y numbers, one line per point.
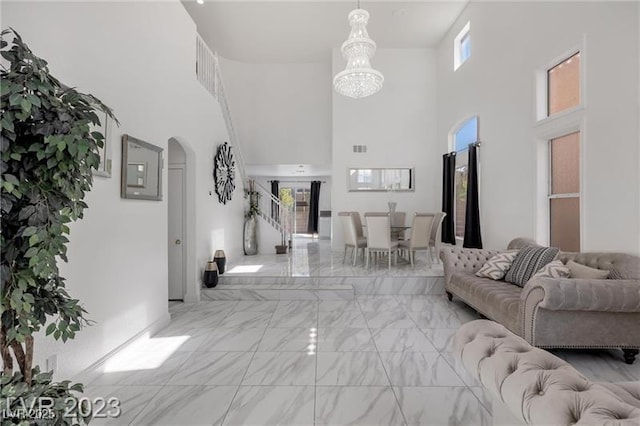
pixel 176 233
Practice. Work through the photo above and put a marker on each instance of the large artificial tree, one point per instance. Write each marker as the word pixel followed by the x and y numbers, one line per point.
pixel 48 149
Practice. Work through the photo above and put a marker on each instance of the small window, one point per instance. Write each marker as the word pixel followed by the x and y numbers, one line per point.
pixel 462 46
pixel 563 85
pixel 466 134
pixel 463 135
pixel 564 192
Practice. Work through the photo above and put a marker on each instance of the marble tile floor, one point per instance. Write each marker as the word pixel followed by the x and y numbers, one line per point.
pixel 314 258
pixel 374 360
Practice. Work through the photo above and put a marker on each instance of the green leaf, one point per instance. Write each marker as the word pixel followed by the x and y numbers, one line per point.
pixel 62 144
pixel 33 240
pixel 15 99
pixel 29 231
pixel 51 328
pixel 34 100
pixel 25 105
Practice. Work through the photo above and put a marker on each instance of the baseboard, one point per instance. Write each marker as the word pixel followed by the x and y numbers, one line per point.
pixel 85 375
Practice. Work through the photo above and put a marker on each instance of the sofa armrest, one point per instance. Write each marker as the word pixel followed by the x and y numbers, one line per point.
pixel 536 386
pixel 570 294
pixel 458 259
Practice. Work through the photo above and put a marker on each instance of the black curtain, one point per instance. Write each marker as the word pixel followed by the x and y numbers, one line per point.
pixel 275 190
pixel 314 204
pixel 472 235
pixel 448 197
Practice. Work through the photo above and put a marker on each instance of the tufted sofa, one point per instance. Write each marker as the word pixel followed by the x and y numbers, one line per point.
pixel 555 313
pixel 535 387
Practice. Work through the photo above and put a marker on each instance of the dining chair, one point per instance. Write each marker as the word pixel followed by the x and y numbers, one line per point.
pixel 436 235
pixel 420 235
pixel 379 236
pixel 351 238
pixel 358 223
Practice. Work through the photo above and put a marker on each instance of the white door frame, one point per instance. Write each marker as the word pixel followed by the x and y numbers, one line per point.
pixel 192 282
pixel 185 240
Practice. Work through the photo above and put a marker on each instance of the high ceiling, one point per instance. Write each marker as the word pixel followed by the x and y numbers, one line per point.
pixel 306 31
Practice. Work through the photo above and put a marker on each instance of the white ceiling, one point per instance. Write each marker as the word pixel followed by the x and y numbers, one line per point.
pixel 289 170
pixel 306 31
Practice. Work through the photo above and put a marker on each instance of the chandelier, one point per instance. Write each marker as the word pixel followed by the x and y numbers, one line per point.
pixel 358 80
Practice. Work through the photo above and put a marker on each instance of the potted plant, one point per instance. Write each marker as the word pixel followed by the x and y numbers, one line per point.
pixel 48 153
pixel 251 220
pixel 286 201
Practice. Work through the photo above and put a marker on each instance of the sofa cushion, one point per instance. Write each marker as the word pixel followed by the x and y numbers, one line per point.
pixel 497 300
pixel 529 261
pixel 554 269
pixel 496 267
pixel 581 271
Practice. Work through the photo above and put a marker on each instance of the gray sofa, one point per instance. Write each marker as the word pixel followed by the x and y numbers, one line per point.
pixel 555 313
pixel 531 386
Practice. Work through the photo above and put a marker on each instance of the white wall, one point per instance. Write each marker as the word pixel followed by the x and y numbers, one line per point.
pixel 144 69
pixel 509 42
pixel 281 112
pixel 398 125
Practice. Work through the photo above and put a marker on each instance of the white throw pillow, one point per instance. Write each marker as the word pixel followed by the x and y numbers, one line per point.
pixel 497 266
pixel 553 269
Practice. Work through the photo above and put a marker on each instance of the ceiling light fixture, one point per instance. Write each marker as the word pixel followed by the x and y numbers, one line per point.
pixel 358 80
pixel 200 1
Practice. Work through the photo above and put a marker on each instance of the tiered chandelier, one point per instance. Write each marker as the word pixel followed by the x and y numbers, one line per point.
pixel 358 80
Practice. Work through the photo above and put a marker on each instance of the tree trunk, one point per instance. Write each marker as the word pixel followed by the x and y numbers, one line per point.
pixel 7 359
pixel 28 361
pixel 18 352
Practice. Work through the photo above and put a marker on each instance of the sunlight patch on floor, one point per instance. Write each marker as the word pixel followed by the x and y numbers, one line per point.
pixel 147 354
pixel 245 269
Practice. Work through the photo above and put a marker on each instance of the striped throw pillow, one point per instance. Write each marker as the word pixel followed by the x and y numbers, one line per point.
pixel 555 269
pixel 529 261
pixel 498 265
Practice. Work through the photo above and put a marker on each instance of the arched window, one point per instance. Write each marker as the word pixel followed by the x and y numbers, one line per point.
pixel 461 136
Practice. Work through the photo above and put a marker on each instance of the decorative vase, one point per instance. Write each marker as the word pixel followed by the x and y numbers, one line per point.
pixel 392 207
pixel 221 260
pixel 251 236
pixel 211 274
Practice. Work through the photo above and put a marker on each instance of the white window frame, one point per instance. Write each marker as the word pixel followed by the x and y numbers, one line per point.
pixel 543 181
pixel 541 109
pixel 457 46
pixel 452 148
pixel 550 127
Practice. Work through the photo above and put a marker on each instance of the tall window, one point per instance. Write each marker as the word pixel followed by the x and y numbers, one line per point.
pixel 563 85
pixel 465 134
pixel 462 46
pixel 564 192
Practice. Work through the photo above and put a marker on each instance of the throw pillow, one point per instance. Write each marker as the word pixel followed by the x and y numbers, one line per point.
pixel 580 271
pixel 497 265
pixel 555 269
pixel 529 261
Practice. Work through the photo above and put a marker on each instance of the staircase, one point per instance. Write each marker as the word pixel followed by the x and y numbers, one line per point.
pixel 209 74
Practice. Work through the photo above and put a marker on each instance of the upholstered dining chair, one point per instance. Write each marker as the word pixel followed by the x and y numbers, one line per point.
pixel 436 235
pixel 379 236
pixel 358 223
pixel 420 236
pixel 351 238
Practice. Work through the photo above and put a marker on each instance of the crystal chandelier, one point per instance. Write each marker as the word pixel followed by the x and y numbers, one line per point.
pixel 358 80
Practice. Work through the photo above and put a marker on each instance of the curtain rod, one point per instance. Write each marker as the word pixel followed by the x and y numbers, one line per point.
pixel 297 181
pixel 477 144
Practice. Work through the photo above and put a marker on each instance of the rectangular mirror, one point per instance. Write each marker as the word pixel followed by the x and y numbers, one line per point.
pixel 141 170
pixel 381 179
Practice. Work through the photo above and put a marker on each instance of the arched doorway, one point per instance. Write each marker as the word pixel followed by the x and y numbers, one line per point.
pixel 181 223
